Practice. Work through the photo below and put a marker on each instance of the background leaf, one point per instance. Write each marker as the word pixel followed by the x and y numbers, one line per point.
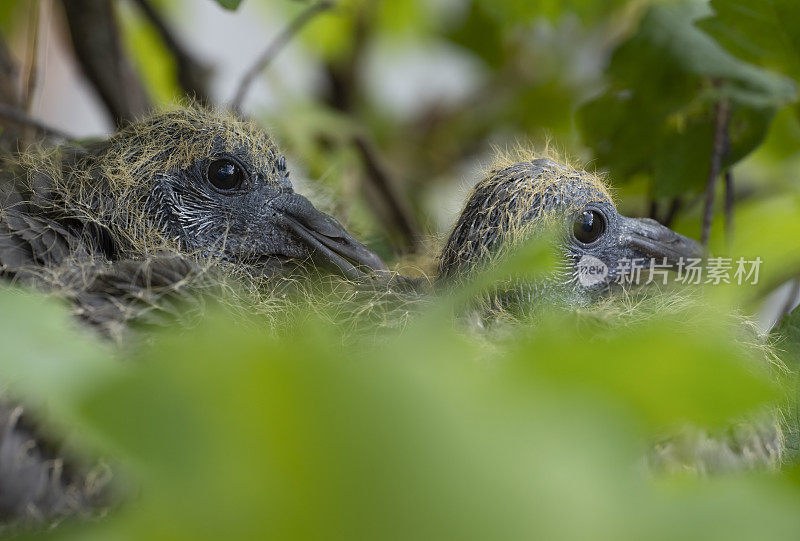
pixel 657 116
pixel 229 4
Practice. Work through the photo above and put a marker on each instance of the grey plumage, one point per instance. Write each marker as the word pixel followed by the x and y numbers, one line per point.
pixel 36 483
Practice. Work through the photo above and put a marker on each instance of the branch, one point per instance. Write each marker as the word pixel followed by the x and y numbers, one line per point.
pixel 377 174
pixel 719 149
pixel 653 209
pixel 17 116
pixel 729 199
pixel 672 210
pixel 674 207
pixel 343 73
pixel 9 97
pixel 33 60
pixel 9 75
pixel 96 40
pixel 272 50
pixel 192 75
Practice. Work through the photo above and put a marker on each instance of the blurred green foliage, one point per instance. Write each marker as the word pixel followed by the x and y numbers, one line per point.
pixel 426 433
pixel 432 432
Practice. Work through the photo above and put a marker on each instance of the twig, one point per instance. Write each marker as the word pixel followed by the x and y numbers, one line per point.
pixel 674 207
pixel 11 135
pixel 19 117
pixel 32 61
pixel 192 74
pixel 653 209
pixel 280 41
pixel 377 174
pixel 98 49
pixel 9 75
pixel 718 152
pixel 343 73
pixel 729 200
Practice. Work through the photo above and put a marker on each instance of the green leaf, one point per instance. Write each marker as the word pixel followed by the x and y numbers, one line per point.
pixel 44 356
pixel 658 114
pixel 11 11
pixel 231 5
pixel 664 381
pixel 239 435
pixel 764 32
pixel 481 34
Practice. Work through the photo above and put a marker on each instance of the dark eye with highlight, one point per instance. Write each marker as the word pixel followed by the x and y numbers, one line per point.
pixel 589 225
pixel 225 174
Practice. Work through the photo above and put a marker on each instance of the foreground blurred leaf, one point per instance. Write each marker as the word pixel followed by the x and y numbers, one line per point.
pixel 527 259
pixel 241 436
pixel 670 370
pixel 45 356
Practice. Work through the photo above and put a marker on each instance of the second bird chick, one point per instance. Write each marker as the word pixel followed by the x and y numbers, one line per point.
pixel 517 201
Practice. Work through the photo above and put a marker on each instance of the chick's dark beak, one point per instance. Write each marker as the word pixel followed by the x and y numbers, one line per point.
pixel 648 238
pixel 329 243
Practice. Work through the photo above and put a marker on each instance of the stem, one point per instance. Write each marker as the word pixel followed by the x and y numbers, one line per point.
pixel 729 200
pixel 718 152
pixel 33 56
pixel 272 50
pixel 399 214
pixel 653 209
pixel 674 207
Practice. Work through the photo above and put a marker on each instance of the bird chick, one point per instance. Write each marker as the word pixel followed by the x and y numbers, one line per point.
pixel 517 201
pixel 114 219
pixel 193 181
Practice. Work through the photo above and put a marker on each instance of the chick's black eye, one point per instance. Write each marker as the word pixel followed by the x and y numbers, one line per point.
pixel 225 174
pixel 589 225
